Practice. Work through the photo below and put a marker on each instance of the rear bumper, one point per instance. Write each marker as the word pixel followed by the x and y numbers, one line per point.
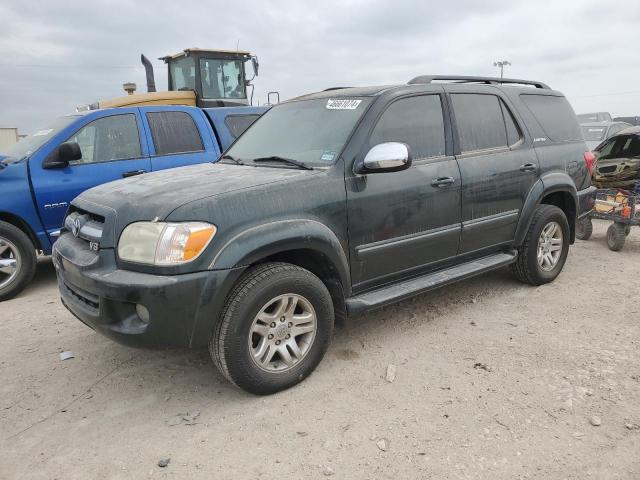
pixel 182 309
pixel 586 201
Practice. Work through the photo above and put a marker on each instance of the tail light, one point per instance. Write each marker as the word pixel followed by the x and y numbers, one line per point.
pixel 589 161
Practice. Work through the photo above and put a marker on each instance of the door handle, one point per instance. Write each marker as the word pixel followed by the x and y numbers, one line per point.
pixel 133 173
pixel 442 181
pixel 528 167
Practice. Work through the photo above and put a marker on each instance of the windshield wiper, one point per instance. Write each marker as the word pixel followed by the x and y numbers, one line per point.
pixel 288 161
pixel 235 160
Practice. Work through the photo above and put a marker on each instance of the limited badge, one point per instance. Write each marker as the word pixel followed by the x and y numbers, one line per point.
pixel 343 104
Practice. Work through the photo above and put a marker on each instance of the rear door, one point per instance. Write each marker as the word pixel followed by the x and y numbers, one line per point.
pixel 498 168
pixel 178 136
pixel 407 221
pixel 111 147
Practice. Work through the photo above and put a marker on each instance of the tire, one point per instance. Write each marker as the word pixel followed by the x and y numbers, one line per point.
pixel 234 340
pixel 527 267
pixel 616 236
pixel 627 230
pixel 584 229
pixel 17 261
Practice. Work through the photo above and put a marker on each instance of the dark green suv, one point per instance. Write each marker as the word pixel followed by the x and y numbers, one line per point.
pixel 331 204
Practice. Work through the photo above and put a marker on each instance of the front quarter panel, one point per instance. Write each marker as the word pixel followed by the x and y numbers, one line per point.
pixel 17 201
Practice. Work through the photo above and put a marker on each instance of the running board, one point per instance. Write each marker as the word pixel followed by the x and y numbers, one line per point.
pixel 400 291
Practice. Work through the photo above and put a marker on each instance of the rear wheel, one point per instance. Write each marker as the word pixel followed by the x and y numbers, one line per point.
pixel 275 328
pixel 616 234
pixel 543 253
pixel 17 261
pixel 584 229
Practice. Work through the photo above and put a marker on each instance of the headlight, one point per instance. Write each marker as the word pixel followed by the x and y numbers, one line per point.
pixel 160 243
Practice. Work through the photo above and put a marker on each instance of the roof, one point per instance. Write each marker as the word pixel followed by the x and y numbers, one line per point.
pixel 417 82
pixel 629 131
pixel 346 92
pixel 601 124
pixel 214 51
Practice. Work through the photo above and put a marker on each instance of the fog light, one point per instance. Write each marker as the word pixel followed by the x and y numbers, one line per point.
pixel 142 312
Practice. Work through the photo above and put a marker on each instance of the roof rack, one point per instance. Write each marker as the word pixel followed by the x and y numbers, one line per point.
pixel 335 88
pixel 422 79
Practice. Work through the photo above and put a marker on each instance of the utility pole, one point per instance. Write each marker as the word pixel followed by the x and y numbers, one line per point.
pixel 502 64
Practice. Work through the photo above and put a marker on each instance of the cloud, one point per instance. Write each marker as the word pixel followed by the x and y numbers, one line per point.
pixel 57 55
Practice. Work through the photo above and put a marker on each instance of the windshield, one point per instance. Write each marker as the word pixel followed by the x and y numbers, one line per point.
pixel 593 134
pixel 309 131
pixel 222 78
pixel 622 146
pixel 33 142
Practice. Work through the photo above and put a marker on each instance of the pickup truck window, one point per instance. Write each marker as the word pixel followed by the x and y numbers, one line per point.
pixel 480 122
pixel 237 124
pixel 310 131
pixel 416 121
pixel 174 132
pixel 108 138
pixel 33 142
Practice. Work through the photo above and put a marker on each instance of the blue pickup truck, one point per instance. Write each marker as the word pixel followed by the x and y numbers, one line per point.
pixel 43 172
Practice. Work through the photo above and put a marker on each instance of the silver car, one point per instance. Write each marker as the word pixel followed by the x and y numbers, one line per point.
pixel 595 133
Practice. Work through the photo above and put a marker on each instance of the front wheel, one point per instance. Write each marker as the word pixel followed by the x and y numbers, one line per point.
pixel 275 328
pixel 544 251
pixel 17 261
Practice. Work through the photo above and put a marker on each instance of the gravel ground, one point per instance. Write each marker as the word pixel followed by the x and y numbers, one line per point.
pixel 493 380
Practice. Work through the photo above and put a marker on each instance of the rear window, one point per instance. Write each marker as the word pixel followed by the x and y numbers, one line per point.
pixel 593 134
pixel 174 132
pixel 555 116
pixel 237 124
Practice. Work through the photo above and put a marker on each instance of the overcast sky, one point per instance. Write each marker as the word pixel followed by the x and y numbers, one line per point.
pixel 56 55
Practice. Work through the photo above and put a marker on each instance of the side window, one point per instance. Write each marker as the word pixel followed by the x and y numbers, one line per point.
pixel 555 116
pixel 108 138
pixel 514 135
pixel 174 132
pixel 480 121
pixel 416 121
pixel 237 124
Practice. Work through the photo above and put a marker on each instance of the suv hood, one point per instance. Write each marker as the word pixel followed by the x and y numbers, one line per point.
pixel 155 195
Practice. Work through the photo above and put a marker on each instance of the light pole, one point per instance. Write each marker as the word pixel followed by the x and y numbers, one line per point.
pixel 501 64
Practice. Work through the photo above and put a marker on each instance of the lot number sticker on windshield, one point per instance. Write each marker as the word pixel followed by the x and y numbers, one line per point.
pixel 344 104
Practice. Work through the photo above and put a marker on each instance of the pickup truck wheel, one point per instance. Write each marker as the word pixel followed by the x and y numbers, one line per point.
pixel 275 328
pixel 584 229
pixel 17 261
pixel 544 250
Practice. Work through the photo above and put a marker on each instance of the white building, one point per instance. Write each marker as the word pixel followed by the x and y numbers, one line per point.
pixel 8 136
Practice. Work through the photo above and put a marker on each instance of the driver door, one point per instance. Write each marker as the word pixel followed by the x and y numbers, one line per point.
pixel 111 149
pixel 405 222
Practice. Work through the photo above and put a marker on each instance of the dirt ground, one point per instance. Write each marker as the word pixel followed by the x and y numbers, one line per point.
pixel 495 380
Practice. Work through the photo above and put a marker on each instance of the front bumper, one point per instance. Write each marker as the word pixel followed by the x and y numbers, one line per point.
pixel 182 308
pixel 586 201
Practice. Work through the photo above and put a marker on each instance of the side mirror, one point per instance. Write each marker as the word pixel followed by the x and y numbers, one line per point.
pixel 387 157
pixel 256 65
pixel 65 153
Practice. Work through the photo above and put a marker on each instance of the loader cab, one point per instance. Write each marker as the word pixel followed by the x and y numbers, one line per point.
pixel 218 77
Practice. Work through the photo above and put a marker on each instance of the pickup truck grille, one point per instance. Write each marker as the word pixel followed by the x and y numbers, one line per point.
pixel 85 225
